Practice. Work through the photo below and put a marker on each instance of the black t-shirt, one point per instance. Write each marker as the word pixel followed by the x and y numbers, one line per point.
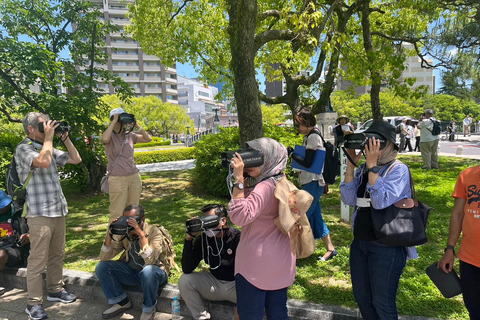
pixel 363 225
pixel 206 248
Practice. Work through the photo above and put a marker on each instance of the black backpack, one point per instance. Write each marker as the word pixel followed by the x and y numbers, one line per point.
pixel 437 129
pixel 398 129
pixel 331 166
pixel 14 187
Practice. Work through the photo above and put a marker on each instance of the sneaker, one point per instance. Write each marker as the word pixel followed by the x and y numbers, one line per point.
pixel 147 315
pixel 330 256
pixel 204 316
pixel 62 296
pixel 2 290
pixel 115 310
pixel 36 312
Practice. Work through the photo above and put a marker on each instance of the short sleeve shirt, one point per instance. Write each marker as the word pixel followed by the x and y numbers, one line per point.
pixel 125 165
pixel 313 141
pixel 468 188
pixel 44 193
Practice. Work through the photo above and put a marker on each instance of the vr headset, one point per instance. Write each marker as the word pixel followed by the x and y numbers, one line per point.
pixel 125 118
pixel 62 128
pixel 358 141
pixel 203 223
pixel 251 157
pixel 121 227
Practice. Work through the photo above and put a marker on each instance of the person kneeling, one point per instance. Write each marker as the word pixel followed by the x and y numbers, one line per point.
pixel 141 263
pixel 217 247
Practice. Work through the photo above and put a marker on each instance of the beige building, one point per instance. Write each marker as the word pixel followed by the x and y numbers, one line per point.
pixel 145 73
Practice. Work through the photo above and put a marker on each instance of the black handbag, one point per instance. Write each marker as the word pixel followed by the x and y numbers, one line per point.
pixel 404 223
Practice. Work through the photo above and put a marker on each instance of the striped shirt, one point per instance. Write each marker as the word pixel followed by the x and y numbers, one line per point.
pixel 44 192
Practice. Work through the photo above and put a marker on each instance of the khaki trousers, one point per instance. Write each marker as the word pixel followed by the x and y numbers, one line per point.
pixel 47 249
pixel 123 191
pixel 197 285
pixel 429 151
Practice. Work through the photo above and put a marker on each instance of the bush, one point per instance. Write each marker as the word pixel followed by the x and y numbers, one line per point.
pixel 10 136
pixel 156 141
pixel 209 173
pixel 163 155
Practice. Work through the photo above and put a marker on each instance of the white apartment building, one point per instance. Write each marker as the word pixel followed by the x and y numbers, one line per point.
pixel 145 73
pixel 199 101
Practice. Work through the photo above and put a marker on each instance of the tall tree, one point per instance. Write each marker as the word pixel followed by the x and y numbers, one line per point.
pixel 36 74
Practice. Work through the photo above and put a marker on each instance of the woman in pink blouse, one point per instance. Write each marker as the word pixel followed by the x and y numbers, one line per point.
pixel 264 266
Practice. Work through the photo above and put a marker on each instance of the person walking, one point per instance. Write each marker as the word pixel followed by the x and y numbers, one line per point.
pixel 403 134
pixel 428 142
pixel 467 121
pixel 416 133
pixel 408 138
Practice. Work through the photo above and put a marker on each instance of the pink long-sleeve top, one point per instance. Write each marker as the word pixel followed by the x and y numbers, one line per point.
pixel 264 256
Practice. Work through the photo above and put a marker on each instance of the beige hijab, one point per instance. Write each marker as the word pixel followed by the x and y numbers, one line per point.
pixel 388 155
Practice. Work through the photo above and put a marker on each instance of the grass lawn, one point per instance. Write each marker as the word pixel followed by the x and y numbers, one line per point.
pixel 170 198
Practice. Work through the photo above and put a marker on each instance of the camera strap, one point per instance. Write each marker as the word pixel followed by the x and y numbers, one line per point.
pixel 350 158
pixel 116 159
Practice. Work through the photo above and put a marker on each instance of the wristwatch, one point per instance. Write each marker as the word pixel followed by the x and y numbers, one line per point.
pixel 374 169
pixel 450 247
pixel 238 185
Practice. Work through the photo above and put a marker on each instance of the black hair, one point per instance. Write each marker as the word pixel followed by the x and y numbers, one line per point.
pixel 220 210
pixel 138 209
pixel 306 117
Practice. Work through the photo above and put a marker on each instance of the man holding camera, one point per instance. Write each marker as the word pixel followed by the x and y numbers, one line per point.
pixel 217 247
pixel 125 183
pixel 46 208
pixel 428 142
pixel 143 263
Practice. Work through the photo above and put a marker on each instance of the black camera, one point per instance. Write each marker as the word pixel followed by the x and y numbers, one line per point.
pixel 203 223
pixel 62 128
pixel 126 118
pixel 358 141
pixel 121 226
pixel 251 157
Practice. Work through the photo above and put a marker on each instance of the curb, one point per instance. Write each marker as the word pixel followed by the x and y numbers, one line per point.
pixel 86 286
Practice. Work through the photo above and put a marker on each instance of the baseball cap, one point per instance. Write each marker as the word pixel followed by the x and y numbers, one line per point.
pixel 116 110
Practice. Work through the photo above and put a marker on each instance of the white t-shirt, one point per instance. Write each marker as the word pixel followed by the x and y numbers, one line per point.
pixel 312 142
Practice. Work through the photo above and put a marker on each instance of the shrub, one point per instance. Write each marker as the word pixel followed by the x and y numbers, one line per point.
pixel 163 155
pixel 10 136
pixel 156 141
pixel 209 173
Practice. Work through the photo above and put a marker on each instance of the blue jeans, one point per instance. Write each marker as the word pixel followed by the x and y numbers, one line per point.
pixel 376 271
pixel 112 274
pixel 252 301
pixel 314 214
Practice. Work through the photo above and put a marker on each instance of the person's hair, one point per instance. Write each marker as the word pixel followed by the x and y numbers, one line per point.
pixel 138 209
pixel 429 112
pixel 306 117
pixel 31 119
pixel 220 210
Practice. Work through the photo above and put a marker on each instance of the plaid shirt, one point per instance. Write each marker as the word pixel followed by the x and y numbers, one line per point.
pixel 44 192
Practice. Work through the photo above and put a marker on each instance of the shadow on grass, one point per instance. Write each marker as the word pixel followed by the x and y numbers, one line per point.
pixel 170 198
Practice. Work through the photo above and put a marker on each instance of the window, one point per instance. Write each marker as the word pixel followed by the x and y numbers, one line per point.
pixel 171 86
pixel 183 94
pixel 152 85
pixel 204 94
pixel 171 76
pixel 171 97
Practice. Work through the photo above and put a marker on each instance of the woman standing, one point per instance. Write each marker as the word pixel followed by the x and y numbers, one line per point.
pixel 312 182
pixel 378 183
pixel 125 184
pixel 264 266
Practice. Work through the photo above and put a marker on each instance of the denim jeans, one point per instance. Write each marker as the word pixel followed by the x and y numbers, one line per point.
pixel 470 280
pixel 112 274
pixel 314 214
pixel 252 301
pixel 376 271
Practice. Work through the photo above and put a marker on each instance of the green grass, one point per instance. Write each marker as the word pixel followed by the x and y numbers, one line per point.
pixel 170 198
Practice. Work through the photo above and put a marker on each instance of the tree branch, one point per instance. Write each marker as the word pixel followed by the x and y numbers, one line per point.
pixel 22 94
pixel 269 13
pixel 178 11
pixel 9 117
pixel 271 35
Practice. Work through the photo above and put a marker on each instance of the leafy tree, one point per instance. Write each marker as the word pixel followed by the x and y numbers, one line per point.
pixel 273 114
pixel 156 116
pixel 36 76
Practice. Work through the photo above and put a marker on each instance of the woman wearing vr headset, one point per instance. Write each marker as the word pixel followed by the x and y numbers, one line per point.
pixel 380 182
pixel 264 266
pixel 125 184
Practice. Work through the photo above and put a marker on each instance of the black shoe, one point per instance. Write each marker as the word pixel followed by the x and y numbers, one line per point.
pixel 332 254
pixel 36 312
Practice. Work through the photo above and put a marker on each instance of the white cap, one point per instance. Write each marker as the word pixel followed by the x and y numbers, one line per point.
pixel 116 110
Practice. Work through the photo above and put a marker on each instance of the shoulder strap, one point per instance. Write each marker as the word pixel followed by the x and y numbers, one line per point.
pixel 412 185
pixel 118 157
pixel 25 183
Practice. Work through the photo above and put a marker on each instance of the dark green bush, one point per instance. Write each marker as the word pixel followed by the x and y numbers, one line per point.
pixel 10 136
pixel 209 173
pixel 163 155
pixel 156 141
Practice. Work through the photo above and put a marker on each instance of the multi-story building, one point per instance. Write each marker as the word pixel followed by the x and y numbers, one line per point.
pixel 145 73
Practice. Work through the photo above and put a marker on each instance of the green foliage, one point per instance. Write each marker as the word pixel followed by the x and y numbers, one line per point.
pixel 145 157
pixel 10 136
pixel 209 173
pixel 156 141
pixel 273 114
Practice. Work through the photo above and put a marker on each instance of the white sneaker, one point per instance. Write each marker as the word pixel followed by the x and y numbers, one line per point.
pixel 204 316
pixel 2 290
pixel 148 315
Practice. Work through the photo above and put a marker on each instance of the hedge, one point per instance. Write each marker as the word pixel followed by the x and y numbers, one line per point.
pixel 155 142
pixel 164 155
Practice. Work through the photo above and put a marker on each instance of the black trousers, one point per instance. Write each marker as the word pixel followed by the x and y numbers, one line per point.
pixel 470 279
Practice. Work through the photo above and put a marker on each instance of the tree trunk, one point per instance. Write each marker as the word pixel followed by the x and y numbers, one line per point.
pixel 242 23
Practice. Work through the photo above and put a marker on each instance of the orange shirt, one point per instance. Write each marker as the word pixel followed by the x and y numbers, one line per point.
pixel 468 188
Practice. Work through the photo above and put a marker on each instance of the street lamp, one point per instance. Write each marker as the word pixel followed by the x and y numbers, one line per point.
pixel 188 127
pixel 187 139
pixel 216 114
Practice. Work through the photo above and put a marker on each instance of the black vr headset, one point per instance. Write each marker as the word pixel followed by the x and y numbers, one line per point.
pixel 62 128
pixel 203 223
pixel 121 227
pixel 126 118
pixel 251 157
pixel 359 140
